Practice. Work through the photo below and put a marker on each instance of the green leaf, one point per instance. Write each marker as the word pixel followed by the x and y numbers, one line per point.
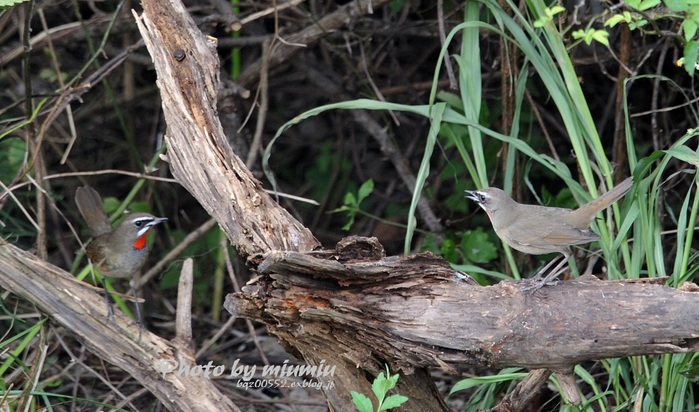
pixel 111 204
pixel 9 3
pixel 452 100
pixel 430 244
pixel 600 36
pixel 350 221
pixel 382 385
pixel 477 247
pixel 361 402
pixel 647 4
pixel 579 34
pixel 646 163
pixel 555 10
pixel 637 23
pixel 505 375
pixel 691 53
pixel 350 200
pixel 676 5
pixel 393 401
pixel 393 380
pixel 549 13
pixel 685 154
pixel 618 18
pixel 449 251
pixel 690 29
pixel 588 37
pixel 139 206
pixel 592 34
pixel 378 386
pixel 365 190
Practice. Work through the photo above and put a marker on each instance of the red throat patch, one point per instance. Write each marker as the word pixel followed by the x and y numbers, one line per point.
pixel 140 243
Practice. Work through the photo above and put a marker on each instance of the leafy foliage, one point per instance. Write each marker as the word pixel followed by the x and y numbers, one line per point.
pixel 638 16
pixel 6 4
pixel 381 385
pixel 590 35
pixel 353 201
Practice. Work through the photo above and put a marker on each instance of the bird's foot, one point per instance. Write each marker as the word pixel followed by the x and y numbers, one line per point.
pixel 110 307
pixel 536 283
pixel 549 279
pixel 140 330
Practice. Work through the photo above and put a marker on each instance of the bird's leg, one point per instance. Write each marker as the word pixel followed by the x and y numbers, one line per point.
pixel 108 300
pixel 543 270
pixel 549 279
pixel 139 318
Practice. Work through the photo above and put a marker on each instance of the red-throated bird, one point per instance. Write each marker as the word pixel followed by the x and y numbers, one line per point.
pixel 538 230
pixel 117 252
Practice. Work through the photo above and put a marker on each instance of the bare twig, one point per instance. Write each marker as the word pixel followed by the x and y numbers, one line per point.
pixel 309 35
pixel 263 93
pixel 453 84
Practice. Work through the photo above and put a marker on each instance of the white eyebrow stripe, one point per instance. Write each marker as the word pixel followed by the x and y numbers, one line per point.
pixel 148 225
pixel 142 219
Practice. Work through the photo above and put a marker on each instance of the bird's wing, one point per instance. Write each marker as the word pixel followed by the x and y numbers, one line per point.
pixel 555 236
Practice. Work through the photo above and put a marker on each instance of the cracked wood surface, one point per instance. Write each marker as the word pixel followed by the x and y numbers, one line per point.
pixel 417 304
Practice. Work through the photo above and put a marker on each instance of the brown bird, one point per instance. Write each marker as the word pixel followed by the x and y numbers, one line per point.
pixel 117 252
pixel 538 230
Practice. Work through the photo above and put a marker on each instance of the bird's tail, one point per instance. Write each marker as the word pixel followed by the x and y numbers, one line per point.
pixel 606 200
pixel 91 208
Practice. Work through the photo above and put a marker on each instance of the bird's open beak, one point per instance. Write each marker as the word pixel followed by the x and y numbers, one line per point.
pixel 155 221
pixel 473 195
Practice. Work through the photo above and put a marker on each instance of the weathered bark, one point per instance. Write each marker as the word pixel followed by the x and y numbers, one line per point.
pixel 416 311
pixel 198 152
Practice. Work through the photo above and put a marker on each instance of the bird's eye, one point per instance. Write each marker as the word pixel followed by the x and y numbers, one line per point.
pixel 139 223
pixel 481 198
